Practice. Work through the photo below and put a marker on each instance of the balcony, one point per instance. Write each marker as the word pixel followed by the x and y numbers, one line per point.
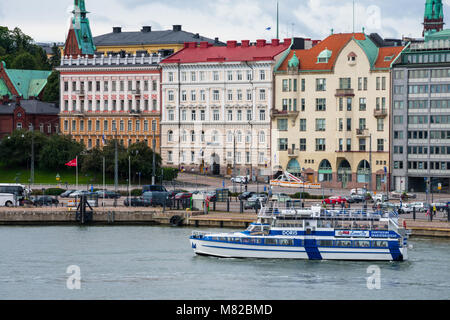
pixel 80 92
pixel 293 153
pixel 362 133
pixel 380 113
pixel 136 92
pixel 285 113
pixel 345 93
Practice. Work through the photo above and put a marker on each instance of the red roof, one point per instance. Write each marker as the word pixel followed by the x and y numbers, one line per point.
pixel 335 43
pixel 202 52
pixel 387 55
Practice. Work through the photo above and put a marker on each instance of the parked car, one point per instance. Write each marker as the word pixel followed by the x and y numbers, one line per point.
pixel 360 191
pixel 246 195
pixel 26 203
pixel 137 202
pixel 45 201
pixel 335 200
pixel 419 206
pixel 7 200
pixel 254 202
pixel 239 179
pixel 356 198
pixel 158 195
pixel 172 194
pixel 380 197
pixel 108 194
pixel 281 197
pixel 78 193
pixel 183 195
pixel 66 193
pixel 211 196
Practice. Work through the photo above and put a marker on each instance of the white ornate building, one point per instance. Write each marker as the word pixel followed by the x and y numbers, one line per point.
pixel 216 106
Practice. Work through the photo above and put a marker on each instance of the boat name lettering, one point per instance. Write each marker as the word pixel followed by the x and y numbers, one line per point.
pixel 380 234
pixel 289 233
pixel 351 233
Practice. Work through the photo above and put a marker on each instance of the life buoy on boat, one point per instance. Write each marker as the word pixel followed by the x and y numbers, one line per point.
pixel 404 224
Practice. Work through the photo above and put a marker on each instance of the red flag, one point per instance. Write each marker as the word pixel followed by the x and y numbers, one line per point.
pixel 72 163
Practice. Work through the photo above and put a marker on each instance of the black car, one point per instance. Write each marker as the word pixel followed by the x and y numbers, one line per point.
pixel 137 202
pixel 108 194
pixel 45 201
pixel 246 195
pixel 356 198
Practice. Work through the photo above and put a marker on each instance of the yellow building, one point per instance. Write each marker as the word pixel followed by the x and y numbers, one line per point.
pixel 330 123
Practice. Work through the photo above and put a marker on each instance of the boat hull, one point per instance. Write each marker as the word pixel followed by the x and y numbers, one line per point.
pixel 232 250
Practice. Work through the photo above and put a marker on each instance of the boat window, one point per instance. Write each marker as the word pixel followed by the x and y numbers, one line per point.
pixel 362 244
pixel 325 243
pixel 343 243
pixel 286 242
pixel 379 244
pixel 380 225
pixel 271 242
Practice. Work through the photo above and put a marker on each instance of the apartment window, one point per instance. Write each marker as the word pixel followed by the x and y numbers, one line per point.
pixel 183 96
pixel 380 125
pixel 193 76
pixel 341 145
pixel 230 115
pixel 321 84
pixel 89 125
pixel 282 144
pixel 170 76
pixel 349 104
pixel 320 124
pixel 202 76
pixel 383 83
pixel 202 115
pixel 193 115
pixel 249 115
pixel 360 83
pixel 282 124
pixel 349 124
pixel 113 125
pixel 230 95
pixel 285 85
pixel 216 75
pixel 97 125
pixel 303 85
pixel 345 83
pixel 262 115
pixel 378 83
pixel 362 144
pixel 302 145
pixel 302 124
pixel 153 125
pixel 230 75
pixel 183 115
pixel 81 125
pixel 320 145
pixel 171 95
pixel 192 136
pixel 239 115
pixel 262 94
pixel 193 95
pixel 249 95
pixel 239 75
pixel 249 75
pixel 216 95
pixel 380 145
pixel 362 123
pixel 138 125
pixel 362 104
pixel 216 115
pixel 262 75
pixel 121 125
pixel 202 95
pixel 262 137
pixel 171 115
pixel 321 104
pixel 349 145
pixel 239 95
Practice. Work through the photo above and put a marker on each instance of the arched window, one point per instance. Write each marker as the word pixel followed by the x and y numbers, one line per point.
pixel 325 171
pixel 230 136
pixel 294 167
pixel 215 136
pixel 344 172
pixel 184 136
pixel 170 136
pixel 239 137
pixel 248 137
pixel 192 136
pixel 363 173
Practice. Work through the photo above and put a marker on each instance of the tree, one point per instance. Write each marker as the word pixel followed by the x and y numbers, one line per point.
pixel 57 151
pixel 15 150
pixel 51 91
pixel 24 61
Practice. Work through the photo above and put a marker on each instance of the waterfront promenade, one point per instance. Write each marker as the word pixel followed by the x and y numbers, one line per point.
pixel 439 227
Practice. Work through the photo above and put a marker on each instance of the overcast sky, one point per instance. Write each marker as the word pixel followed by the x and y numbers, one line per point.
pixel 47 20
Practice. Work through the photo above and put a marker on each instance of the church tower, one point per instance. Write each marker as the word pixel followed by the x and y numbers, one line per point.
pixel 434 16
pixel 79 40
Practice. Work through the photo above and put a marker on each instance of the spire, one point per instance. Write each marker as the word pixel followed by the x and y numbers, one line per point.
pixel 278 21
pixel 434 16
pixel 79 40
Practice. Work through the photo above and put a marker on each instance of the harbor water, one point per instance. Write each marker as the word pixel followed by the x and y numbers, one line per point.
pixel 157 263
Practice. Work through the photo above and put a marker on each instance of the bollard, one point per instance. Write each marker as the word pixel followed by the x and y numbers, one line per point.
pixel 228 205
pixel 164 206
pixel 241 206
pixel 214 205
pixel 414 213
pixel 448 213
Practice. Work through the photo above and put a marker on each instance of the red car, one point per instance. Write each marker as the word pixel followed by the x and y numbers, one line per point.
pixel 335 200
pixel 183 195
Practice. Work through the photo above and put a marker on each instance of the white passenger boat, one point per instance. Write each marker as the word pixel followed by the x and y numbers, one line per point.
pixel 286 232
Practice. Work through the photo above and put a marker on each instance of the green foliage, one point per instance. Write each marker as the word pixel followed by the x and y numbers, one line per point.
pixel 136 192
pixel 15 150
pixel 170 174
pixel 24 61
pixel 54 191
pixel 57 151
pixel 51 91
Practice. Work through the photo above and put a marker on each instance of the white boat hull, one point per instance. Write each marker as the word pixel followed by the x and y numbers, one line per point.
pixel 232 250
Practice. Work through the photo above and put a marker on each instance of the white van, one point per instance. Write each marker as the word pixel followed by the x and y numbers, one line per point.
pixel 380 197
pixel 7 200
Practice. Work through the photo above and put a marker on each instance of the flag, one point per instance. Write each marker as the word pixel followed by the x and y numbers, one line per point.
pixel 104 139
pixel 72 163
pixel 269 28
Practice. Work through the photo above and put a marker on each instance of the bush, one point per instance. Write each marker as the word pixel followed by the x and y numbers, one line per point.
pixel 54 191
pixel 136 192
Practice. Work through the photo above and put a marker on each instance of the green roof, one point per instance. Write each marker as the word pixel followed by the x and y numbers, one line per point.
pixel 294 62
pixel 28 83
pixel 82 29
pixel 441 35
pixel 370 49
pixel 434 9
pixel 4 91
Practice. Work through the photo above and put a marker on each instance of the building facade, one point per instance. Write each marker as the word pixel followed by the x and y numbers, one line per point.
pixel 421 116
pixel 216 107
pixel 111 98
pixel 330 122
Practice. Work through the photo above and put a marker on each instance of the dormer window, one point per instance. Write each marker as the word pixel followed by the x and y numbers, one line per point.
pixel 351 58
pixel 324 56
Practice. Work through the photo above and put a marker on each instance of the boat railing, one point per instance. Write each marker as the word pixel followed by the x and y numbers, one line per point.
pixel 200 234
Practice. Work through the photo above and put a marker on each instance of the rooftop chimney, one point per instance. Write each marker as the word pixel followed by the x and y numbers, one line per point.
pixel 245 43
pixel 260 43
pixel 197 36
pixel 146 29
pixel 117 29
pixel 177 27
pixel 275 42
pixel 216 40
pixel 231 44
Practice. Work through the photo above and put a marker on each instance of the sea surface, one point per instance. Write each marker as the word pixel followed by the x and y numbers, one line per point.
pixel 157 263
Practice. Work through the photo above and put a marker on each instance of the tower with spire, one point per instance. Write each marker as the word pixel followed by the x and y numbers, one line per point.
pixel 434 17
pixel 79 40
